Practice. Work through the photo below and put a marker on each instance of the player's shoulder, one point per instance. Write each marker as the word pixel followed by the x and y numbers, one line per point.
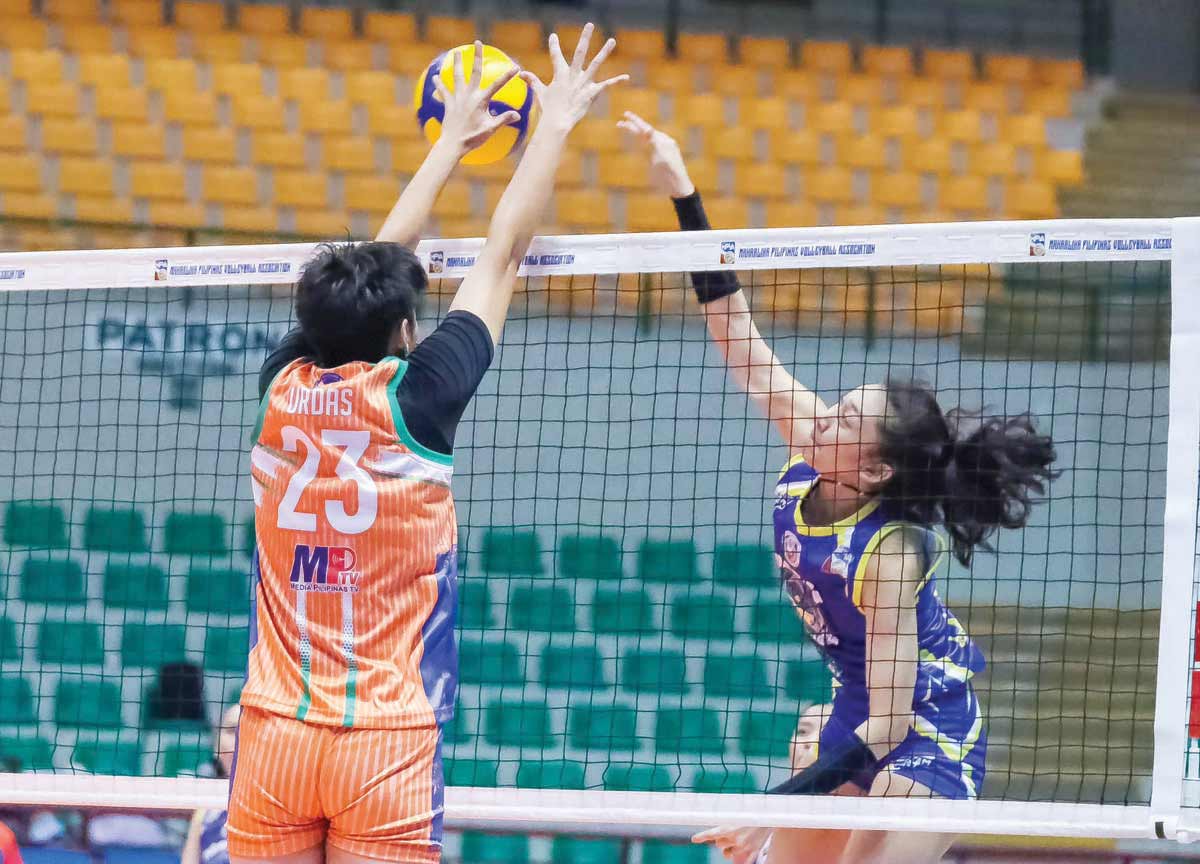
pixel 797 469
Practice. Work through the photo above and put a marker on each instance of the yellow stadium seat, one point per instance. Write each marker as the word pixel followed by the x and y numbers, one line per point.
pixel 740 82
pixel 995 159
pixel 859 214
pixel 896 121
pixel 1048 102
pixel 407 156
pixel 76 136
pixel 19 173
pixel 864 90
pixel 670 76
pixel 352 155
pixel 283 50
pixel 86 38
pixel 216 146
pixel 159 181
pixel 896 190
pixel 393 121
pixel 373 88
pixel 24 33
pixel 128 104
pixel 796 147
pixel 865 152
pixel 833 58
pixel 301 189
pixel 583 209
pixel 702 47
pixel 230 185
pixel 376 195
pixel 177 215
pixel 5 97
pixel 923 93
pixel 322 224
pixel 152 42
pixel 599 135
pixel 327 24
pixel 706 110
pixel 1064 167
pixel 986 97
pixel 649 211
pixel 1008 68
pixel 83 176
pixel 170 74
pixel 948 64
pixel 136 13
pixel 30 205
pixel 517 37
pixel 326 117
pixel 411 58
pixel 139 141
pixel 761 180
pixel 278 149
pixel 41 67
pixel 638 44
pixel 103 209
pixel 732 142
pixel 455 201
pixel 450 31
pixel 237 79
pixel 770 112
pixel 197 108
pixel 303 85
pixel 965 126
pixel 259 112
pixel 705 173
pixel 263 19
pixel 833 185
pixel 647 103
pixel 1059 73
pixel 14 134
pixel 1023 130
pixel 73 10
pixel 570 170
pixel 887 61
pixel 964 194
pixel 727 212
pixel 52 100
pixel 927 156
pixel 765 51
pixel 391 27
pixel 1031 199
pixel 250 219
pixel 349 56
pixel 836 118
pixel 624 171
pixel 201 16
pixel 223 47
pixel 786 214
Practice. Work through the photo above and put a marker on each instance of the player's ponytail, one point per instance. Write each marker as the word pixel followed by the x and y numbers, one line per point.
pixel 971 473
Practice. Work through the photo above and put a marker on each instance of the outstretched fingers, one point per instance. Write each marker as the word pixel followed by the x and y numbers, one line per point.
pixel 458 71
pixel 556 56
pixel 510 73
pixel 635 124
pixel 477 66
pixel 581 49
pixel 616 79
pixel 600 57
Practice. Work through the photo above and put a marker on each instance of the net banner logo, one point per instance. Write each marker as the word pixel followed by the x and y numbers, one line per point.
pixel 325 568
pixel 1041 245
pixel 164 270
pixel 437 262
pixel 1037 244
pixel 749 253
pixel 728 252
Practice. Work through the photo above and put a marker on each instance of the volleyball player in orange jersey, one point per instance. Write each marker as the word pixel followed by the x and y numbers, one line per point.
pixel 353 667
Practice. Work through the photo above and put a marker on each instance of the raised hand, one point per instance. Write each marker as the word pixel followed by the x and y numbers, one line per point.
pixel 566 99
pixel 739 845
pixel 468 121
pixel 667 170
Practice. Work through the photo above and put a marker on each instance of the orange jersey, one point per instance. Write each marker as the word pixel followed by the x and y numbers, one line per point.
pixel 356 564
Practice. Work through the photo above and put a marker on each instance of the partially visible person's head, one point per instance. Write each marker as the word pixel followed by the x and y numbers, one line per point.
pixel 359 301
pixel 227 738
pixel 803 747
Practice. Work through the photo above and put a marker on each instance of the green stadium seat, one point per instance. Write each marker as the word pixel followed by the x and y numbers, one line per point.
pixel 615 611
pixel 766 734
pixel 153 645
pixel 9 649
pixel 725 780
pixel 474 604
pixel 573 666
pixel 249 539
pixel 46 580
pixel 742 676
pixel 196 534
pixel 135 586
pixel 115 530
pixel 546 609
pixel 182 760
pixel 470 772
pixel 512 552
pixel 480 848
pixel 743 564
pixel 109 757
pixel 483 662
pixel 584 556
pixel 550 774
pixel 456 731
pixel 572 850
pixel 39 524
pixel 16 701
pixel 220 592
pixel 808 681
pixel 702 617
pixel 639 778
pixel 519 724
pixel 654 671
pixel 667 561
pixel 70 643
pixel 226 649
pixel 603 727
pixel 23 753
pixel 775 620
pixel 662 852
pixel 88 703
pixel 688 730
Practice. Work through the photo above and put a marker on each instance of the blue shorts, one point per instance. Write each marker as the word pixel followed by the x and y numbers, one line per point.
pixel 923 760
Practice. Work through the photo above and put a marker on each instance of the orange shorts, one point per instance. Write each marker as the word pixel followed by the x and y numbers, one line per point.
pixel 376 793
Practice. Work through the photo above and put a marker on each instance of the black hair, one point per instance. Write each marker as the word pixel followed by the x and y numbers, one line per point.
pixel 351 297
pixel 971 473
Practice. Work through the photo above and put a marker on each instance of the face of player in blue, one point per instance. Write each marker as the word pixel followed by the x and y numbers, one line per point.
pixel 846 440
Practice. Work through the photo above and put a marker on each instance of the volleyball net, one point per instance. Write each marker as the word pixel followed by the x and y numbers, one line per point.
pixel 627 654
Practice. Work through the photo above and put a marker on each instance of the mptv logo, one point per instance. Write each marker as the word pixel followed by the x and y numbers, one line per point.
pixel 324 568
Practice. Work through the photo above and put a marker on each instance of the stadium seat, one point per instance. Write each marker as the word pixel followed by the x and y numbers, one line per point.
pixel 639 778
pixel 830 186
pixel 603 728
pixel 349 56
pixel 153 43
pixel 24 33
pixel 252 220
pixel 835 118
pixel 322 224
pixel 930 94
pixel 187 533
pixel 152 645
pixel 664 852
pixel 9 649
pixel 774 619
pixel 739 676
pixel 470 772
pixel 645 211
pixel 374 195
pixel 927 156
pixel 409 59
pixel 478 848
pixel 182 760
pixel 110 757
pixel 995 159
pixel 654 672
pixel 170 214
pixel 263 20
pixel 72 11
pixel 646 102
pixel 1031 199
pixel 808 681
pixel 964 126
pixel 949 65
pixel 216 146
pixel 203 16
pixel 895 121
pixel 1048 102
pixel 191 110
pixel 237 186
pixel 627 171
pixel 1023 130
pixel 103 70
pixel 734 142
pixel 1064 167
pixel 887 61
pixel 1059 73
pixel 488 662
pixel 450 31
pixel 30 754
pixel 743 564
pixel 515 37
pixel 74 136
pixel 237 79
pixel 455 202
pixel 688 730
pixel 16 697
pixel 706 110
pixel 125 104
pixel 52 100
pixel 103 209
pixel 739 82
pixel 31 205
pixel 512 552
pixel 964 195
pixel 583 210
pixel 599 135
pixel 518 724
pixel 135 14
pixel 573 850
pixel 862 152
pixel 1008 68
pixel 637 44
pixel 474 604
pixel 765 51
pixel 586 556
pixel 278 149
pixel 573 666
pixel 221 592
pixel 702 617
pixel 861 90
pixel 832 58
pixel 702 47
pixel 32 523
pixel 346 154
pixel 766 734
pixel 134 586
pixel 666 561
pixel 139 141
pixel 52 580
pixel 622 611
pixel 223 47
pixel 376 89
pixel 326 24
pixel 87 703
pixel 725 780
pixel 797 85
pixel 796 147
pixel 986 97
pixel 390 27
pixel 303 85
pixel 550 774
pixel 544 609
pixel 83 37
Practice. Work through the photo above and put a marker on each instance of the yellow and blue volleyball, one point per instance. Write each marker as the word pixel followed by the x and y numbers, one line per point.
pixel 513 96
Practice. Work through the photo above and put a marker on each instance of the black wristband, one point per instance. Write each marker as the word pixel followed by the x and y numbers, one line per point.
pixel 849 761
pixel 708 286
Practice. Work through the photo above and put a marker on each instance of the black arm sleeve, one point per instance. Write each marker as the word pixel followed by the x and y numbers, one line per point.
pixel 293 346
pixel 708 286
pixel 443 374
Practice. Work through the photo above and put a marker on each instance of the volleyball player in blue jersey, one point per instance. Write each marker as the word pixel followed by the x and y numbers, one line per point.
pixel 857 505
